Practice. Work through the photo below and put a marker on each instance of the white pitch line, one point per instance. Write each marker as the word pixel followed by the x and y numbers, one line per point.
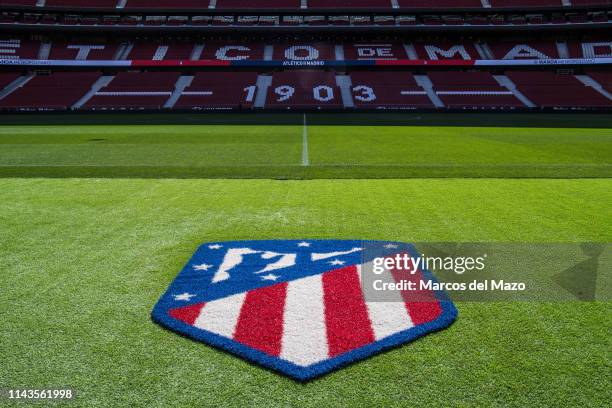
pixel 305 160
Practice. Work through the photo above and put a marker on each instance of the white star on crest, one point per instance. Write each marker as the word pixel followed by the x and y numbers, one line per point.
pixel 202 267
pixel 215 246
pixel 390 246
pixel 303 244
pixel 270 276
pixel 336 262
pixel 184 297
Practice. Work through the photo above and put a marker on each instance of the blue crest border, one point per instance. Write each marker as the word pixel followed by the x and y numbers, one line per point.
pixel 447 317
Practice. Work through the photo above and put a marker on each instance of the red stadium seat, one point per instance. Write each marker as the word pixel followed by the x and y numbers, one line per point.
pixel 372 88
pixel 82 4
pixel 7 77
pixel 168 4
pixel 350 4
pixel 526 50
pixel 79 50
pixel 58 91
pixel 232 51
pixel 382 90
pixel 311 4
pixel 153 51
pixel 261 4
pixel 551 90
pixel 304 52
pixel 304 89
pixel 525 3
pixel 447 50
pixel 604 78
pixel 219 90
pixel 17 2
pixel 135 90
pixel 316 51
pixel 591 2
pixel 14 48
pixel 472 90
pixel 590 49
pixel 429 4
pixel 388 51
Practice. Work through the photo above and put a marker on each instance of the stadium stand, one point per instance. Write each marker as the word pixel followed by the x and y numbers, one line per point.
pixel 136 20
pixel 219 90
pixel 233 51
pixel 57 91
pixel 388 90
pixel 602 78
pixel 304 52
pixel 374 51
pixel 311 90
pixel 7 78
pixel 472 90
pixel 15 48
pixel 158 52
pixel 230 51
pixel 350 4
pixel 531 50
pixel 82 51
pixel 523 3
pixel 135 90
pixel 452 4
pixel 590 49
pixel 304 89
pixel 81 4
pixel 168 4
pixel 263 4
pixel 591 2
pixel 440 51
pixel 17 2
pixel 226 54
pixel 303 13
pixel 307 4
pixel 552 90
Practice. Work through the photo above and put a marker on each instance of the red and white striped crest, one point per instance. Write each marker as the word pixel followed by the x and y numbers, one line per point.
pixel 305 317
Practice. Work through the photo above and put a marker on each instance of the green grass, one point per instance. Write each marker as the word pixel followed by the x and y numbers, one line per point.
pixel 149 146
pixel 84 260
pixel 266 151
pixel 420 145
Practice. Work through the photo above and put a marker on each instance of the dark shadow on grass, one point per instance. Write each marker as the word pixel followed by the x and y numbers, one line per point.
pixel 551 119
pixel 568 171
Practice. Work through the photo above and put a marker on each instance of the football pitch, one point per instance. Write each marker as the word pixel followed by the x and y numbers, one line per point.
pixel 308 147
pixel 96 221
